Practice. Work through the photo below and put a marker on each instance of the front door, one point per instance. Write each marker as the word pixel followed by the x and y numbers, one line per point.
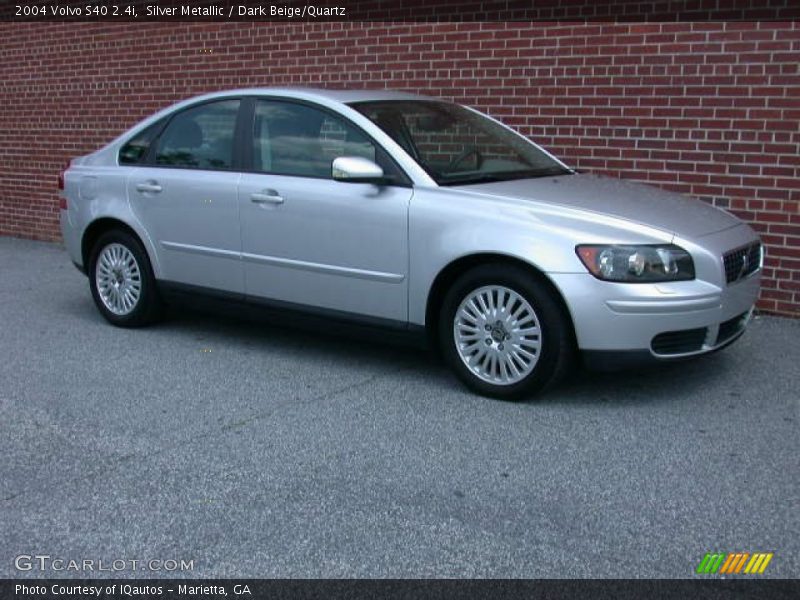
pixel 309 240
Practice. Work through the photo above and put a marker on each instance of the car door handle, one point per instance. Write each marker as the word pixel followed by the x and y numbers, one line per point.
pixel 150 187
pixel 267 197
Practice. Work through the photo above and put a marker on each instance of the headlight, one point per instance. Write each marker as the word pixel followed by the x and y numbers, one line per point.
pixel 637 264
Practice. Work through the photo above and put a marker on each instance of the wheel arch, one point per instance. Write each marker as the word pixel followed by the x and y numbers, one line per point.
pixel 453 270
pixel 100 226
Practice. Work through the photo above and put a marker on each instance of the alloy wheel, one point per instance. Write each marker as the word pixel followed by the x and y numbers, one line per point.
pixel 118 279
pixel 497 335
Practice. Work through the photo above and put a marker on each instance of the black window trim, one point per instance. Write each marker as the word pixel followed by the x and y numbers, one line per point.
pixel 248 108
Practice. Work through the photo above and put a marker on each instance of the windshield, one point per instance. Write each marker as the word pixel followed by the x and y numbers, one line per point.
pixel 457 146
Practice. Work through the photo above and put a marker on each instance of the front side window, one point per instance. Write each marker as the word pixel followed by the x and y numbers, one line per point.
pixel 300 140
pixel 456 145
pixel 200 137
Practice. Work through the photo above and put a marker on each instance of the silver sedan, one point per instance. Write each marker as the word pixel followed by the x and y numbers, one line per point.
pixel 404 212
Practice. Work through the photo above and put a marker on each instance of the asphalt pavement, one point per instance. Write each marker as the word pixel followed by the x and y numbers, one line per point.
pixel 254 450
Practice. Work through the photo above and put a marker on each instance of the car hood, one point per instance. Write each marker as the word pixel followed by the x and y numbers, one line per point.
pixel 644 204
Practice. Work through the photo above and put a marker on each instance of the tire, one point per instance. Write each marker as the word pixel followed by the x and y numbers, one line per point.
pixel 530 341
pixel 119 262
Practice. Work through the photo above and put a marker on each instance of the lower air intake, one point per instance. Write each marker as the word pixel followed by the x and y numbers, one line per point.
pixel 679 342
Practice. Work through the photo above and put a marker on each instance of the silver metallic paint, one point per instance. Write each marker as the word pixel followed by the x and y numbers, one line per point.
pixel 377 251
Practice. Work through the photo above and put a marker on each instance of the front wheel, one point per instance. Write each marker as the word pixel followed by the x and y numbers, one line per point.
pixel 122 282
pixel 504 333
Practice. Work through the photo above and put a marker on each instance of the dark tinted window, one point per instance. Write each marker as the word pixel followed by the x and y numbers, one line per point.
pixel 135 150
pixel 296 139
pixel 200 137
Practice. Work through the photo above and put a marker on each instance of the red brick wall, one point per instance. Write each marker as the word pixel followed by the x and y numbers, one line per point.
pixel 711 109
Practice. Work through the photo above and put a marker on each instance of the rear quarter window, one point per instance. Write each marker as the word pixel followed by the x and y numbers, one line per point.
pixel 135 150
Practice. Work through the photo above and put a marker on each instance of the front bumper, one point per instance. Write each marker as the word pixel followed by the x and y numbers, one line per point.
pixel 632 323
pixel 614 360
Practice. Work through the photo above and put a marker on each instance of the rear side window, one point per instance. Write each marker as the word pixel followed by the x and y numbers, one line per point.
pixel 134 152
pixel 200 137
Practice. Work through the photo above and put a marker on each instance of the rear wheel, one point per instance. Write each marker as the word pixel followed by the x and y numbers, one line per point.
pixel 504 333
pixel 121 280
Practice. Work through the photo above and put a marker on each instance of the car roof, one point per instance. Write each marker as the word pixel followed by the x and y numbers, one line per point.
pixel 321 94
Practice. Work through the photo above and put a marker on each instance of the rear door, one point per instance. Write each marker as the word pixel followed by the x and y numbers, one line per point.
pixel 186 196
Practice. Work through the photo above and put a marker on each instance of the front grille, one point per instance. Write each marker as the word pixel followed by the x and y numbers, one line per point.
pixel 679 342
pixel 742 262
pixel 731 327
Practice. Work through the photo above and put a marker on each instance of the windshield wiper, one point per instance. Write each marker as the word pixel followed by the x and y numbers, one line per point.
pixel 550 172
pixel 469 179
pixel 502 176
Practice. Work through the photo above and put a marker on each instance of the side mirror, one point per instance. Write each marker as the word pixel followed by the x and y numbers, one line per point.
pixel 355 169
